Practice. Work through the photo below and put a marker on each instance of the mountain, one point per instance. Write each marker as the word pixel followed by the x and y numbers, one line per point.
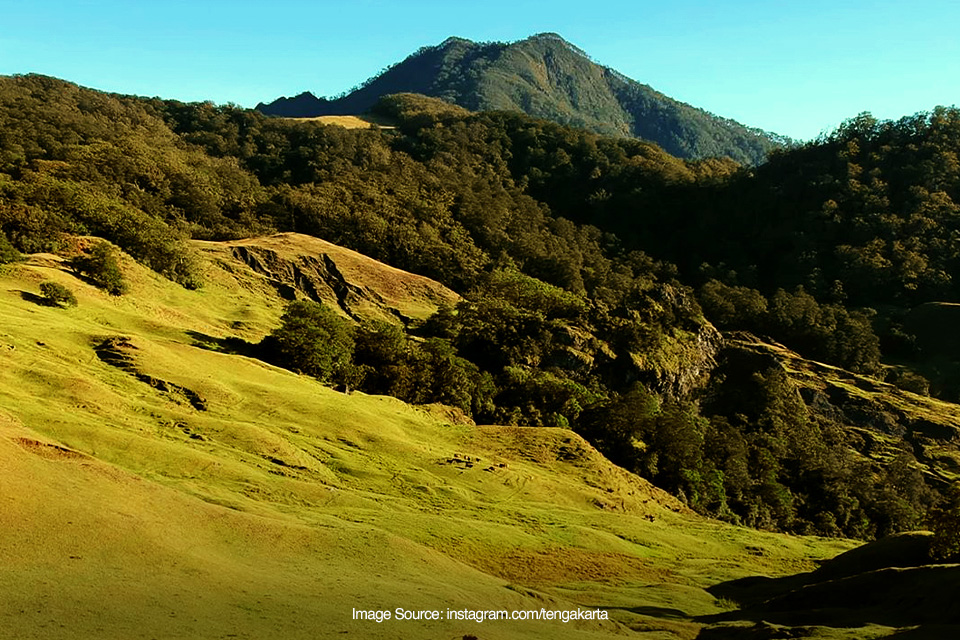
pixel 547 77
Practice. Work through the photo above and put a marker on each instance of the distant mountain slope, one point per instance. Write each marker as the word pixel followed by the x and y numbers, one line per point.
pixel 547 77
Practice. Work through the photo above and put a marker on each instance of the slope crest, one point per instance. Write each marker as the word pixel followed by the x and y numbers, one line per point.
pixel 300 266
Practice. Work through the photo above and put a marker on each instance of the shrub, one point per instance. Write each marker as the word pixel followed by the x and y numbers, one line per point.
pixel 102 268
pixel 908 380
pixel 945 523
pixel 733 307
pixel 56 295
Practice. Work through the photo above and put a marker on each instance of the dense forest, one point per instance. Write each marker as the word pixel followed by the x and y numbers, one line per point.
pixel 594 271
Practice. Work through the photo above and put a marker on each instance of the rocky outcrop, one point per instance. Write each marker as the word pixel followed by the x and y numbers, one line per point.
pixel 307 275
pixel 682 364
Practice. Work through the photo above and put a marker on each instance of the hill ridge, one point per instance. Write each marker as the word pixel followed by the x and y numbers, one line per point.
pixel 546 76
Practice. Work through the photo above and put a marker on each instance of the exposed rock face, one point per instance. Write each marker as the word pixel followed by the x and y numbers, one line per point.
pixel 682 364
pixel 300 266
pixel 316 278
pixel 701 354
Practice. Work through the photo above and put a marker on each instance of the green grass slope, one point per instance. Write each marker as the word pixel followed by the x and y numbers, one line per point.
pixel 192 493
pixel 302 266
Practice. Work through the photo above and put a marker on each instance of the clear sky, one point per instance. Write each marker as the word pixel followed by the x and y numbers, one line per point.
pixel 797 68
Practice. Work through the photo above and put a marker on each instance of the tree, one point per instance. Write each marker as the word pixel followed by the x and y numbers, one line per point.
pixel 57 295
pixel 617 427
pixel 102 268
pixel 314 340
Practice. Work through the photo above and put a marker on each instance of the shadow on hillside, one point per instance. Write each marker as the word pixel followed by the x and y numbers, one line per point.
pixel 230 344
pixel 888 582
pixel 34 298
pixel 928 632
pixel 768 631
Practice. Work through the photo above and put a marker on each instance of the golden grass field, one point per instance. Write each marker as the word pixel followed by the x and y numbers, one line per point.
pixel 350 122
pixel 283 505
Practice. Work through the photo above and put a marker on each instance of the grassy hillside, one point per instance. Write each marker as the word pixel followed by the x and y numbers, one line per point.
pixel 546 77
pixel 276 505
pixel 299 266
pixel 365 121
pixel 565 321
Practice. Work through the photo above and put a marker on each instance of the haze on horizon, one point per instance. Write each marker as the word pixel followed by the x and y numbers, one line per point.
pixel 796 70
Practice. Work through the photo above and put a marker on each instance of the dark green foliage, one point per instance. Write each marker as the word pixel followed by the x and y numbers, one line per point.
pixel 420 371
pixel 81 208
pixel 734 307
pixel 827 332
pixel 101 267
pixel 531 294
pixel 56 295
pixel 495 334
pixel 944 520
pixel 8 253
pixel 663 442
pixel 616 426
pixel 865 216
pixel 314 340
pixel 900 499
pixel 30 228
pixel 453 380
pixel 784 467
pixel 387 357
pixel 74 160
pixel 539 398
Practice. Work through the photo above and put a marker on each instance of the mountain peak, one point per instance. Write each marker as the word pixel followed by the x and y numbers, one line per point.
pixel 547 35
pixel 546 76
pixel 453 40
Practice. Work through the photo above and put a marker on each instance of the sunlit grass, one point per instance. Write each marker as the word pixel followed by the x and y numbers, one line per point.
pixel 285 505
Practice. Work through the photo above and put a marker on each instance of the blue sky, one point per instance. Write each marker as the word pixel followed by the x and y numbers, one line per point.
pixel 797 68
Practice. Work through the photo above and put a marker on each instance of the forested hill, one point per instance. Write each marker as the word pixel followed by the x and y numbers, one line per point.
pixel 593 272
pixel 546 77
